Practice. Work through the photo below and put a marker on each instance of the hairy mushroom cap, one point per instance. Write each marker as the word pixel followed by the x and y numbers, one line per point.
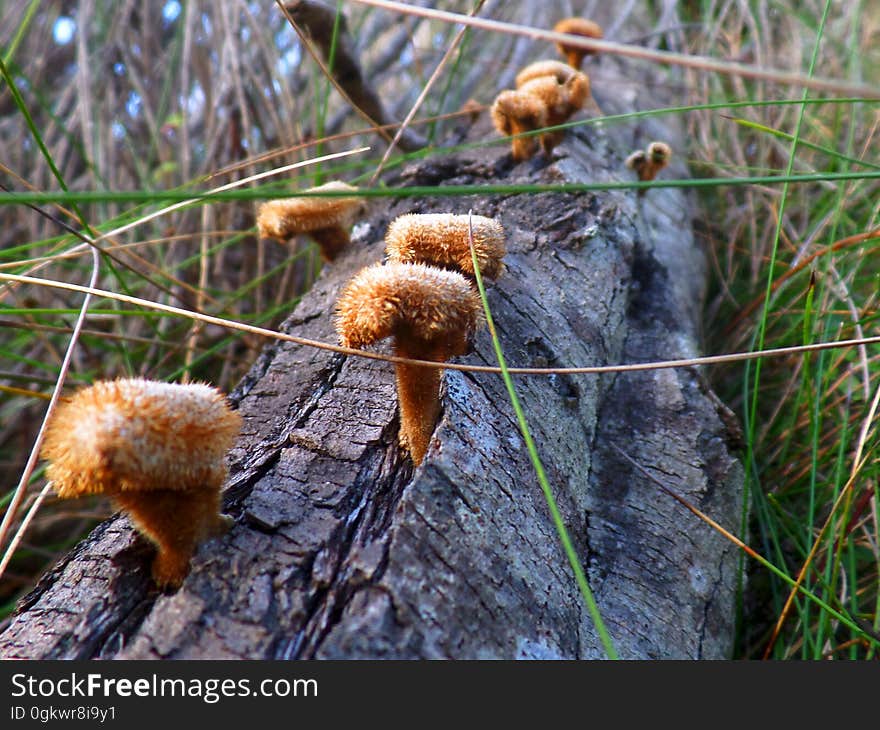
pixel 157 449
pixel 414 302
pixel 135 434
pixel 577 26
pixel 562 72
pixel 286 217
pixel 636 161
pixel 659 153
pixel 326 219
pixel 442 240
pixel 513 113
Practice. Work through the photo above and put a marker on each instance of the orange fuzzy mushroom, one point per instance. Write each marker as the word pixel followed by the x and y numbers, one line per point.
pixel 560 71
pixel 560 100
pixel 514 113
pixel 472 108
pixel 157 449
pixel 577 26
pixel 325 219
pixel 637 161
pixel 442 240
pixel 659 154
pixel 431 314
pixel 648 162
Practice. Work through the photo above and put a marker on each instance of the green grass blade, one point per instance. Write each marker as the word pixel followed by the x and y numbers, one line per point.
pixel 21 30
pixel 752 402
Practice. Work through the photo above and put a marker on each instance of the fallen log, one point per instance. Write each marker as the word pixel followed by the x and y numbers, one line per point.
pixel 341 549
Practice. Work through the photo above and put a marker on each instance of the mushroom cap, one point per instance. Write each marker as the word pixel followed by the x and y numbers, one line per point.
pixel 659 153
pixel 578 87
pixel 414 302
pixel 560 71
pixel 636 160
pixel 578 26
pixel 561 100
pixel 286 217
pixel 472 108
pixel 442 240
pixel 135 434
pixel 514 112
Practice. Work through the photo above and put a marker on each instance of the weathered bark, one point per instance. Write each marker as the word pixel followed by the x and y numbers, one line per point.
pixel 341 549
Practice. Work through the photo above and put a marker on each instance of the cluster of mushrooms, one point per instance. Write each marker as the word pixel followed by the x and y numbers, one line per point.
pixel 422 297
pixel 548 93
pixel 648 162
pixel 158 449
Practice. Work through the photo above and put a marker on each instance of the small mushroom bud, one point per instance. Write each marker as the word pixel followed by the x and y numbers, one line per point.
pixel 560 71
pixel 647 163
pixel 431 314
pixel 561 100
pixel 442 240
pixel 576 26
pixel 514 113
pixel 157 449
pixel 472 108
pixel 326 220
pixel 659 153
pixel 637 161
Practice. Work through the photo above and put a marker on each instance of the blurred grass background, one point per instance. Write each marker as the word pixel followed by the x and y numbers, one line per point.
pixel 182 96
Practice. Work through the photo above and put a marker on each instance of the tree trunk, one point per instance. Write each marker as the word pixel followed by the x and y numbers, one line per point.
pixel 341 549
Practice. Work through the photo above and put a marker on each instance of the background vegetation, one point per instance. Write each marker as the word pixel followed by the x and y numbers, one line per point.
pixel 176 97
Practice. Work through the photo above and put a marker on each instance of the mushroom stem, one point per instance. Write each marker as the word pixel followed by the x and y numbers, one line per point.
pixel 522 148
pixel 331 241
pixel 418 390
pixel 418 387
pixel 175 522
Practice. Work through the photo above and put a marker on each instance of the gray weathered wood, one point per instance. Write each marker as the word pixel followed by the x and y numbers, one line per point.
pixel 341 549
